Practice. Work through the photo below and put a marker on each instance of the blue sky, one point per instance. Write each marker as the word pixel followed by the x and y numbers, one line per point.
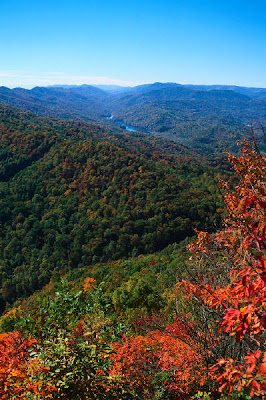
pixel 131 42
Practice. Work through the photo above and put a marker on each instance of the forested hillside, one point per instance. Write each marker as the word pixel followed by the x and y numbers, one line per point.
pixel 77 103
pixel 73 194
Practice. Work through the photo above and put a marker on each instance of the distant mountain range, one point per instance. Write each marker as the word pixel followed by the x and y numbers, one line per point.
pixel 256 93
pixel 206 118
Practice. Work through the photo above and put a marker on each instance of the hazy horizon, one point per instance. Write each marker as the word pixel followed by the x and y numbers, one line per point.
pixel 128 86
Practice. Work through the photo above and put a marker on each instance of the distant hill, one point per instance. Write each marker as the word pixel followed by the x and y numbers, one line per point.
pixel 82 102
pixel 256 93
pixel 206 118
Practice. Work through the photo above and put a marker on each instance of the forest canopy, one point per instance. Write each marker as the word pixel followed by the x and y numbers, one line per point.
pixel 71 196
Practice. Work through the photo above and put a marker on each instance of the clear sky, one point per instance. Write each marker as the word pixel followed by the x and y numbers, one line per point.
pixel 127 42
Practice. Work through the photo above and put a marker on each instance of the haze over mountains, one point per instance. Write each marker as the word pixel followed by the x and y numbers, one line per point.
pixel 206 118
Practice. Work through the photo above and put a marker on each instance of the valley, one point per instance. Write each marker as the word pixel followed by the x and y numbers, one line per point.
pixel 207 119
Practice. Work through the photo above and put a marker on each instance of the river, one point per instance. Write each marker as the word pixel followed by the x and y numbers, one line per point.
pixel 121 123
pixel 129 128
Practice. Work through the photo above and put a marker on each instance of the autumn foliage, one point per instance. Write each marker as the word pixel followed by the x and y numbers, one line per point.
pixel 21 375
pixel 241 297
pixel 161 363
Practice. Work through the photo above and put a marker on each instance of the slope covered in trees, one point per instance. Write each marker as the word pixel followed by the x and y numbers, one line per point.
pixel 73 194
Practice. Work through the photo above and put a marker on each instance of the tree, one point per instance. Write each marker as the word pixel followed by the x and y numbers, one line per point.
pixel 241 297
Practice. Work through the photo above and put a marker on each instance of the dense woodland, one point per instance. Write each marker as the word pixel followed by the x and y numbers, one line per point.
pixel 69 197
pixel 129 269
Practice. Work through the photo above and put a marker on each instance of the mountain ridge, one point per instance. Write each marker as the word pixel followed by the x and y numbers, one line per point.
pixel 205 118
